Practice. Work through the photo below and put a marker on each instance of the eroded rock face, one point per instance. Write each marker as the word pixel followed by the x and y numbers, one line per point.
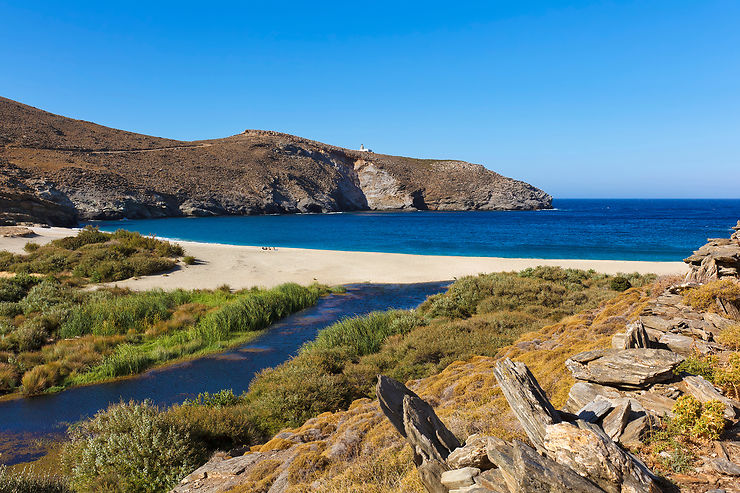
pixel 636 368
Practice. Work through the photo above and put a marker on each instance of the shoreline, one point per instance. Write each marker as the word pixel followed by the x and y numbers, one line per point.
pixel 247 266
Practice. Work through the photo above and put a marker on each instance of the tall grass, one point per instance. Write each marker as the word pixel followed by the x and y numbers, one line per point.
pixel 119 315
pixel 244 312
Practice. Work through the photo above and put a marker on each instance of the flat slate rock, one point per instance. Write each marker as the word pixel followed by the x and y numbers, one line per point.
pixel 630 368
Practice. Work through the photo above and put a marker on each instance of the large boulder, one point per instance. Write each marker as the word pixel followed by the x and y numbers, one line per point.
pixel 628 368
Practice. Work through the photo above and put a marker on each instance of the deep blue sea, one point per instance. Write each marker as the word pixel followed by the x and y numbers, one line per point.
pixel 618 229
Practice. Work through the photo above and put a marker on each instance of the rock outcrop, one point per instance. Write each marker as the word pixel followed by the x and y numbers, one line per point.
pixel 87 171
pixel 571 455
pixel 718 259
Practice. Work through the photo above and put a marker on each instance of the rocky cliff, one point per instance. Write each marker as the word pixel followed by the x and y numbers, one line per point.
pixel 64 167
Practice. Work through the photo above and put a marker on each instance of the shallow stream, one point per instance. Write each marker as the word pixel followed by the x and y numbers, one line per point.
pixel 24 421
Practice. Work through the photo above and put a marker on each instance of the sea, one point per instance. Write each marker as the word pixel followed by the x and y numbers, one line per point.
pixel 609 229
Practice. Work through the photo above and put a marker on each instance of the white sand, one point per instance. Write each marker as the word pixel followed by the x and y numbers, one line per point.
pixel 247 266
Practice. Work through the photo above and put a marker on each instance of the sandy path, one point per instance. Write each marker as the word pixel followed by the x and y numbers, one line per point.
pixel 246 266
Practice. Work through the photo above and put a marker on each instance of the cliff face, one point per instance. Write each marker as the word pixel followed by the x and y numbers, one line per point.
pixel 95 172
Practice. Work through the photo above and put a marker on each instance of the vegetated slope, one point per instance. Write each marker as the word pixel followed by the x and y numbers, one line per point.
pixel 359 450
pixel 79 170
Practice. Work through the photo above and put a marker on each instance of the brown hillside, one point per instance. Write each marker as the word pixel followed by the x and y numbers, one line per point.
pixel 95 172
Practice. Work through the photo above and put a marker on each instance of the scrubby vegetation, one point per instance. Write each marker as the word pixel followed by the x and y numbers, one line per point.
pixel 94 256
pixel 673 443
pixel 27 482
pixel 130 447
pixel 55 335
pixel 477 315
pixel 704 297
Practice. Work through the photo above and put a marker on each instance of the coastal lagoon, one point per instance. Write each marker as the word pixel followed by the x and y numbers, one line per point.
pixel 608 229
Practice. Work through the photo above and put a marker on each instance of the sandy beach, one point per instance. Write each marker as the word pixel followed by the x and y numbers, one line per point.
pixel 247 266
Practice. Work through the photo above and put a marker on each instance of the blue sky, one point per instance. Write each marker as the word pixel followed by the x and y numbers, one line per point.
pixel 580 98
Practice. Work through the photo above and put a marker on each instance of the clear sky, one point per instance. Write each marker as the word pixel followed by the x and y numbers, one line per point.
pixel 581 98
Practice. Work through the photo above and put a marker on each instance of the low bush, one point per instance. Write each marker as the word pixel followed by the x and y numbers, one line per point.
pixel 728 377
pixel 221 398
pixel 30 336
pixel 219 420
pixel 188 260
pixel 13 289
pixel 94 255
pixel 697 419
pixel 31 247
pixel 697 364
pixel 620 283
pixel 27 482
pixel 129 447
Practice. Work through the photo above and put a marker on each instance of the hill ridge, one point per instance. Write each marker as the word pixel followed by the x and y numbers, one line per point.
pixel 72 170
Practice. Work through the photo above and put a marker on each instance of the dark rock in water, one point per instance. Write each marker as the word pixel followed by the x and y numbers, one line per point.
pixel 527 399
pixel 632 368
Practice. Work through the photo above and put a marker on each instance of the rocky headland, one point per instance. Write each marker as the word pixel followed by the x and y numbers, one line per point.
pixel 58 170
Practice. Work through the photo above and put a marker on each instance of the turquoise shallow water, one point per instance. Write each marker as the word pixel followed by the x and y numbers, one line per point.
pixel 628 229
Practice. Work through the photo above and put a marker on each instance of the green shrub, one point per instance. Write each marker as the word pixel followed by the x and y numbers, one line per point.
pixel 224 397
pixel 219 420
pixel 143 265
pixel 27 482
pixel 109 315
pixel 86 236
pixel 188 260
pixel 31 335
pixel 10 309
pixel 620 283
pixel 45 296
pixel 728 377
pixel 127 359
pixel 31 247
pixel 129 447
pixel 361 335
pixel 696 364
pixel 14 288
pixel 711 423
pixel 698 420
